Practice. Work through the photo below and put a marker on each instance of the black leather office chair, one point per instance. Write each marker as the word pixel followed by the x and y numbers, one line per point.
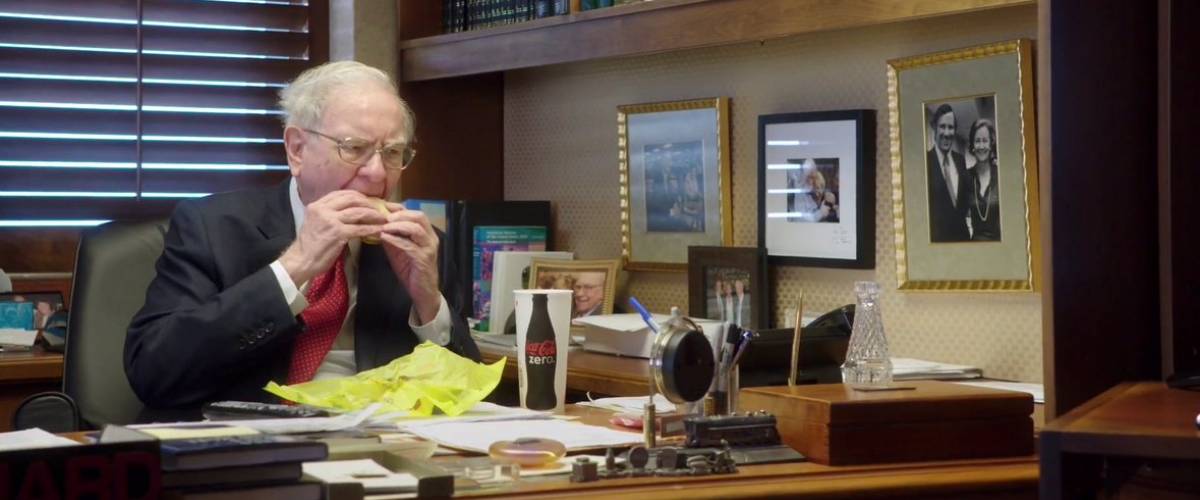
pixel 114 266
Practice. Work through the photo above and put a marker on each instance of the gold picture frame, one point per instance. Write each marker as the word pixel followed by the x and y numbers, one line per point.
pixel 675 181
pixel 965 221
pixel 579 276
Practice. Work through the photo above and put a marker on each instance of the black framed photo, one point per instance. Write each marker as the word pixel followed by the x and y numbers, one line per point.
pixel 816 188
pixel 728 284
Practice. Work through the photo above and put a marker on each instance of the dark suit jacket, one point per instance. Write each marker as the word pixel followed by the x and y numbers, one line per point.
pixel 947 221
pixel 215 325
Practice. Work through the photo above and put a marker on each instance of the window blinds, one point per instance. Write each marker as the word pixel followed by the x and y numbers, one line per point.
pixel 119 108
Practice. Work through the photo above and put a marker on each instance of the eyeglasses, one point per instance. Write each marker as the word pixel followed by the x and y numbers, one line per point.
pixel 357 152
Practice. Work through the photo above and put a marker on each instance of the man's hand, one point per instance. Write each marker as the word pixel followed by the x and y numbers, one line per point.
pixel 328 224
pixel 411 245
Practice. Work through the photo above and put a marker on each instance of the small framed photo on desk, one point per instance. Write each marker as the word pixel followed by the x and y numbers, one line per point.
pixel 728 284
pixel 593 282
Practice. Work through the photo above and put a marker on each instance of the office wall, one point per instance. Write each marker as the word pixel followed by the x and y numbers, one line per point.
pixel 561 145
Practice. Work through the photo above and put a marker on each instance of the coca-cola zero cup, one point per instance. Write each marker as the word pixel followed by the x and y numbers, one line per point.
pixel 543 334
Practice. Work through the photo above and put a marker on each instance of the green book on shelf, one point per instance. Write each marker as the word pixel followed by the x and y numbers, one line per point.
pixel 594 4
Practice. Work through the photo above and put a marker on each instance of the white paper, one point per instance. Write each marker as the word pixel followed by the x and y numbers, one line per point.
pixel 286 425
pixel 508 341
pixel 32 438
pixel 1035 390
pixel 633 404
pixel 481 412
pixel 917 369
pixel 375 478
pixel 478 436
pixel 13 336
pixel 627 323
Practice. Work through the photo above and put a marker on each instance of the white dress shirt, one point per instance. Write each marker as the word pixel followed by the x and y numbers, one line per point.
pixel 339 362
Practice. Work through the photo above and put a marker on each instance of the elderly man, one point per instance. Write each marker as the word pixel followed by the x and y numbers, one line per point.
pixel 283 283
pixel 589 294
pixel 949 187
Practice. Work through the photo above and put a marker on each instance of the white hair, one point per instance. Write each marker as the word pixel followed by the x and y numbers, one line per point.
pixel 303 101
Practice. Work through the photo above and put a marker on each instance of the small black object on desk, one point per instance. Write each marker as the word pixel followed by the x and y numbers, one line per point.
pixel 246 410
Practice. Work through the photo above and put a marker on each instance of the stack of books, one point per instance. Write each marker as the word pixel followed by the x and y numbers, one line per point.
pixel 239 466
pixel 466 15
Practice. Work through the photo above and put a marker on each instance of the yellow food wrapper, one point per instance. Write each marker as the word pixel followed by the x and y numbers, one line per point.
pixel 431 377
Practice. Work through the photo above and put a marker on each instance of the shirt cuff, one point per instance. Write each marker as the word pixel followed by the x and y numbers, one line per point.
pixel 291 294
pixel 436 331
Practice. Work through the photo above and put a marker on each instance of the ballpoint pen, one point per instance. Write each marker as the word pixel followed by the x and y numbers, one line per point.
pixel 742 347
pixel 633 301
pixel 649 412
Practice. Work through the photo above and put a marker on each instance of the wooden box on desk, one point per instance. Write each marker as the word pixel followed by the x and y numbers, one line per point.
pixel 834 425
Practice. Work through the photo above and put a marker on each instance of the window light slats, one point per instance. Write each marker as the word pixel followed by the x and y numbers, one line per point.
pixel 69 115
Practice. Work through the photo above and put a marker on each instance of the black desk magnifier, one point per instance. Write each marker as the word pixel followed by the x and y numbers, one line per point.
pixel 681 368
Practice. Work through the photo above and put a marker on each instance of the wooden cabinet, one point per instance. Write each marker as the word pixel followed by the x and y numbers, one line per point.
pixel 1142 435
pixel 23 374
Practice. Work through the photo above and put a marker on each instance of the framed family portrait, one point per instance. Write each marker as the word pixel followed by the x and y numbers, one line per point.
pixel 728 284
pixel 594 282
pixel 964 169
pixel 816 188
pixel 675 181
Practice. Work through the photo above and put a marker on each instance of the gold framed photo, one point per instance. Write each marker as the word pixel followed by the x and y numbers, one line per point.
pixel 593 282
pixel 964 169
pixel 675 181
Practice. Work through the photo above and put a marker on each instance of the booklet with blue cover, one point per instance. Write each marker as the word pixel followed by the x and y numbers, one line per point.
pixel 488 241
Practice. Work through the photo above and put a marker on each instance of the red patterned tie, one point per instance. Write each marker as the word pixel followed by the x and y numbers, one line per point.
pixel 328 301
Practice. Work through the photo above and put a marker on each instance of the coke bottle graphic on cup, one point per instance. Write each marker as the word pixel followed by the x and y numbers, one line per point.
pixel 541 358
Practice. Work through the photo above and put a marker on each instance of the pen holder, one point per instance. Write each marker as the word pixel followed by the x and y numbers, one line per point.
pixel 725 391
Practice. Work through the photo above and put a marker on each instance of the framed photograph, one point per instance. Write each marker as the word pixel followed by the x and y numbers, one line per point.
pixel 816 188
pixel 511 272
pixel 729 284
pixel 964 169
pixel 593 281
pixel 675 181
pixel 28 310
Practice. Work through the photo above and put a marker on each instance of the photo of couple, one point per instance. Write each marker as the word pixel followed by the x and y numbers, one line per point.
pixel 962 173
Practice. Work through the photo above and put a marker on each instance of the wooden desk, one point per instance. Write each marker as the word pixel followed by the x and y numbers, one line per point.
pixel 611 375
pixel 1132 421
pixel 986 478
pixel 23 374
pixel 588 371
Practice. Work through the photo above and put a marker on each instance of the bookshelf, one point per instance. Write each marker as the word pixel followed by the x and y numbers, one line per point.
pixel 639 28
pixel 455 81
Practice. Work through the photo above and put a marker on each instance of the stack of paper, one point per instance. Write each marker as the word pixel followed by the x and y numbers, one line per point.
pixel 32 438
pixel 478 436
pixel 17 339
pixel 917 369
pixel 632 404
pixel 482 412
